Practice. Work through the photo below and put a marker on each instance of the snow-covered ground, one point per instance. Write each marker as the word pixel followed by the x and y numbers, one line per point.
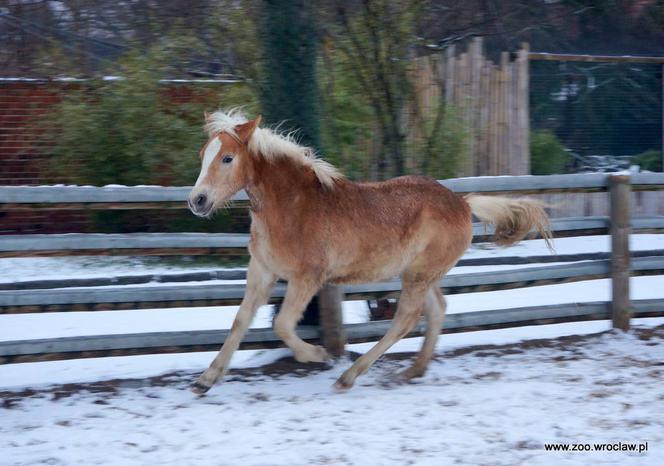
pixel 477 405
pixel 481 405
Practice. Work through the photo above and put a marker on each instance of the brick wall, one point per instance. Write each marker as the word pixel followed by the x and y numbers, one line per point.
pixel 24 153
pixel 23 149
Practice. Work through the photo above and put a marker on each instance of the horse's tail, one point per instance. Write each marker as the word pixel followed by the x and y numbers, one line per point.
pixel 512 219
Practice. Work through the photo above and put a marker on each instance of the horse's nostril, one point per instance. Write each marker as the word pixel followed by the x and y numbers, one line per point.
pixel 201 200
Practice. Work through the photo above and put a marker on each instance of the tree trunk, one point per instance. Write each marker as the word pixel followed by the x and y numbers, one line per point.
pixel 289 91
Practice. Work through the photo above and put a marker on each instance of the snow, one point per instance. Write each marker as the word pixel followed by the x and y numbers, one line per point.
pixel 578 292
pixel 490 397
pixel 41 374
pixel 573 245
pixel 488 405
pixel 67 324
pixel 43 268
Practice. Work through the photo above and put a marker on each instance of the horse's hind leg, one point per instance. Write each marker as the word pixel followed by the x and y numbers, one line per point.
pixel 434 309
pixel 407 315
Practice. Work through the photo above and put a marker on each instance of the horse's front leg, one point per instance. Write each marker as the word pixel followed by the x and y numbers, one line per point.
pixel 259 286
pixel 298 294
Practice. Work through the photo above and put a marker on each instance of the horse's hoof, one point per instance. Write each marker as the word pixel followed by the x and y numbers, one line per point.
pixel 322 355
pixel 199 389
pixel 313 354
pixel 342 386
pixel 412 372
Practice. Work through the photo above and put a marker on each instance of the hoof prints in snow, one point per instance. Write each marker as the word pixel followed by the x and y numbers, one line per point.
pixel 478 405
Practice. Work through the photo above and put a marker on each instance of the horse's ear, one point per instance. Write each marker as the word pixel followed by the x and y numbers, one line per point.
pixel 245 130
pixel 206 116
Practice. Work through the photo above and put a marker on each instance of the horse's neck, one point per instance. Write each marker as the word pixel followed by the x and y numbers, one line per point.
pixel 279 190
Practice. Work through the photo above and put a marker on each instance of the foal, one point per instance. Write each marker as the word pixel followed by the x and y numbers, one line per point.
pixel 310 226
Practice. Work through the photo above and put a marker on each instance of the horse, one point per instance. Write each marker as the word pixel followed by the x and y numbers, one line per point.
pixel 310 226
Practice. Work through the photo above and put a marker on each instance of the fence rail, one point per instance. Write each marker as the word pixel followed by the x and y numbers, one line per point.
pixel 595 58
pixel 139 296
pixel 236 243
pixel 241 274
pixel 582 182
pixel 150 296
pixel 50 349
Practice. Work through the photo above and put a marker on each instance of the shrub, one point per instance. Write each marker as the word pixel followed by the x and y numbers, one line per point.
pixel 440 153
pixel 130 131
pixel 547 154
pixel 650 160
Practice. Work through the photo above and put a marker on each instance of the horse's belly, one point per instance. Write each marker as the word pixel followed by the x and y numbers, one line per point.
pixel 372 269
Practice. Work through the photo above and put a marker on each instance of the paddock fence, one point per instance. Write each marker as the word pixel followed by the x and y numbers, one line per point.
pixel 599 107
pixel 136 292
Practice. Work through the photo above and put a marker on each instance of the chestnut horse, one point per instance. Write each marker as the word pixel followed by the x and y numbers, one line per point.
pixel 312 226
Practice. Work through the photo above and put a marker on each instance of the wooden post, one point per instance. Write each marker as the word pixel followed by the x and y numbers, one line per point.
pixel 493 120
pixel 507 107
pixel 464 105
pixel 523 109
pixel 450 61
pixel 501 128
pixel 475 67
pixel 483 126
pixel 332 332
pixel 620 191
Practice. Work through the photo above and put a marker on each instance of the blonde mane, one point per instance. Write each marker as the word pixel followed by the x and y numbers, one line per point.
pixel 271 144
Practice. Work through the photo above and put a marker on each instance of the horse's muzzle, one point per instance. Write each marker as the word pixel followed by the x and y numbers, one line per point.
pixel 200 205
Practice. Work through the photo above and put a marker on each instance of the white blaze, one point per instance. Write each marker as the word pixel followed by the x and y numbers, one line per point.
pixel 211 151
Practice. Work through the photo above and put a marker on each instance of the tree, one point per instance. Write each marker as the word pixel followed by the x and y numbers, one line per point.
pixel 289 88
pixel 289 91
pixel 375 39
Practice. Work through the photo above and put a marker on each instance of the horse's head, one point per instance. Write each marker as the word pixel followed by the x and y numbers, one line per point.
pixel 224 168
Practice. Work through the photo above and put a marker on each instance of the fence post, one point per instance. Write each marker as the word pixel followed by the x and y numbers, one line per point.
pixel 332 332
pixel 523 109
pixel 620 191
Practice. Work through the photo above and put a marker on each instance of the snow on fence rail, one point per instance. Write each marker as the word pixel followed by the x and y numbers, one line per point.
pixel 129 297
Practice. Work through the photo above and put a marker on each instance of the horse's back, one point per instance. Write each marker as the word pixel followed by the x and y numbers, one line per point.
pixel 387 226
pixel 417 194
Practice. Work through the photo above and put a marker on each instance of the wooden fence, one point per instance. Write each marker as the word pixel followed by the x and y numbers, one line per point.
pixel 492 99
pixel 56 296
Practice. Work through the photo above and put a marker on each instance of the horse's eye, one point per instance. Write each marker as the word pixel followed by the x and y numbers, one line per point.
pixel 227 159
